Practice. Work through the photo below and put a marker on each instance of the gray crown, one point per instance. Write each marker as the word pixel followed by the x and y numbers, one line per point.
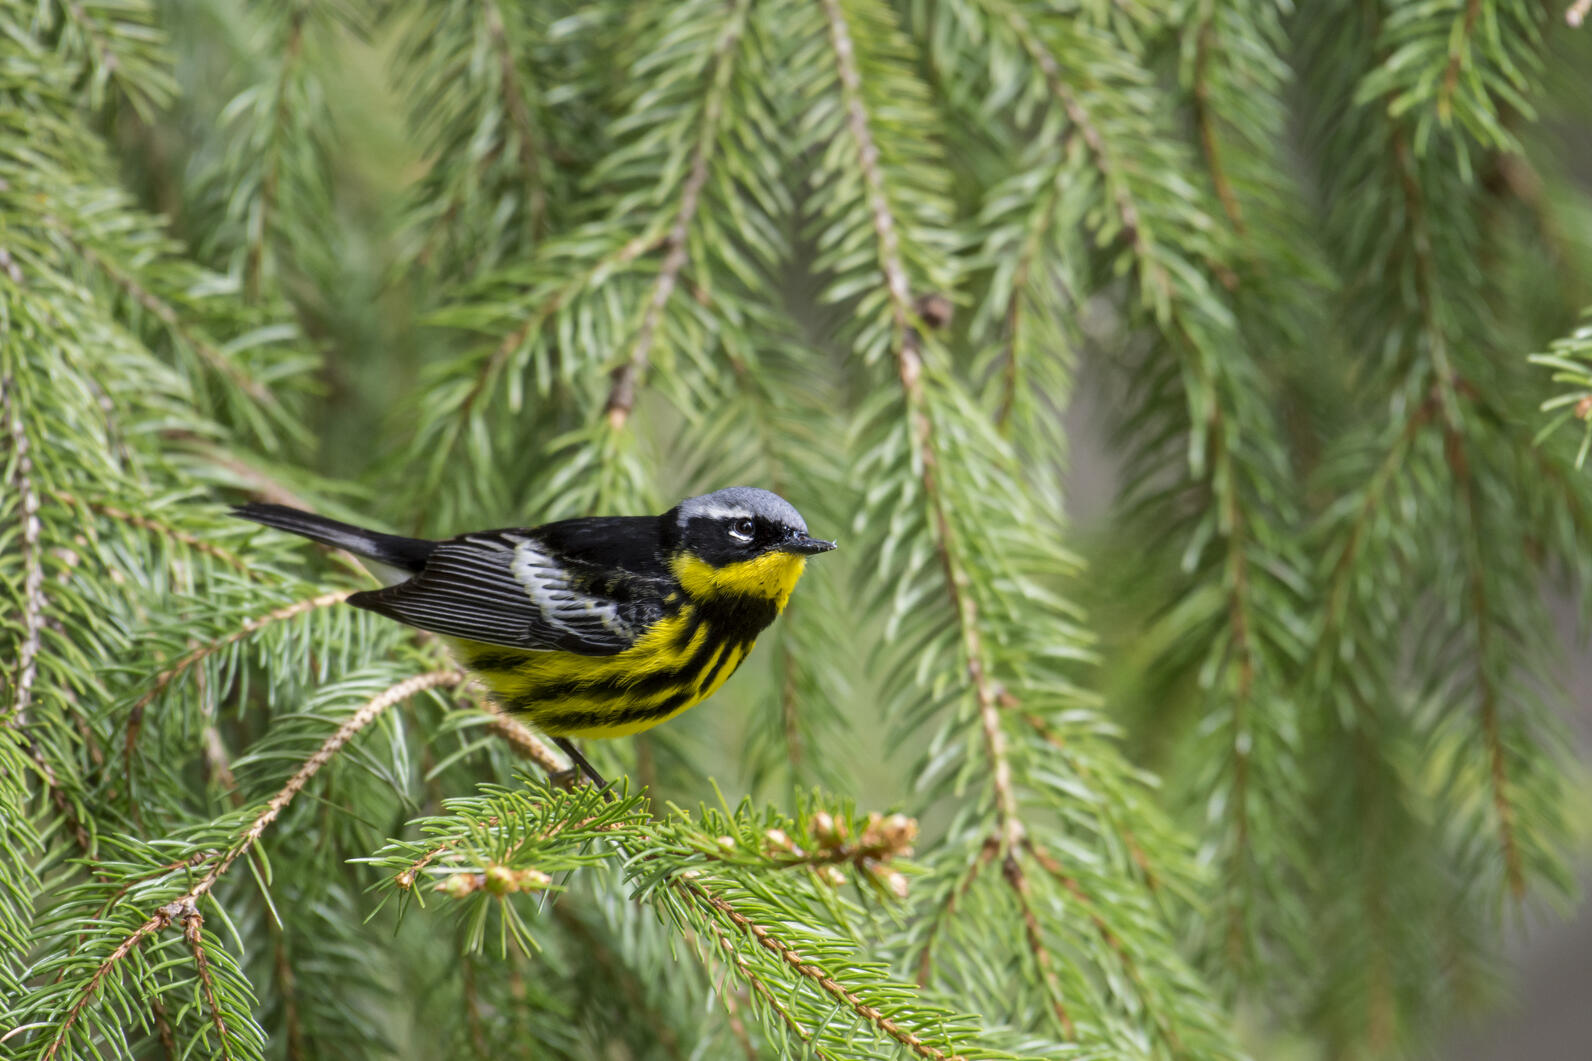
pixel 735 502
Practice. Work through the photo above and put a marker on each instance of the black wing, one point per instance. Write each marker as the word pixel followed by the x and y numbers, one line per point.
pixel 515 589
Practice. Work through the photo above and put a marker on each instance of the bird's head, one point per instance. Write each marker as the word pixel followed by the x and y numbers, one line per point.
pixel 741 542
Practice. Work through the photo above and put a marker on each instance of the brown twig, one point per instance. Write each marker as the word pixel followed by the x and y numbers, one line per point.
pixel 622 395
pixel 176 909
pixel 193 931
pixel 32 568
pixel 523 739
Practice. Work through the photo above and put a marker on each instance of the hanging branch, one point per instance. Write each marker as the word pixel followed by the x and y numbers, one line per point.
pixel 622 398
pixel 177 909
pixel 32 570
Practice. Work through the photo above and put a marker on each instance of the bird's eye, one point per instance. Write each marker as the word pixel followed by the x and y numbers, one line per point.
pixel 741 530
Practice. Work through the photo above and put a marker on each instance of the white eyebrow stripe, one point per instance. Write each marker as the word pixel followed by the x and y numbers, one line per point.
pixel 721 513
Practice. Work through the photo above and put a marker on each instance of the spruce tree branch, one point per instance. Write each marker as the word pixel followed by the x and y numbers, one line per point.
pixel 1485 684
pixel 523 739
pixel 755 983
pixel 896 285
pixel 1012 871
pixel 1242 742
pixel 164 312
pixel 1079 764
pixel 1205 122
pixel 193 931
pixel 622 396
pixel 168 1039
pixel 909 363
pixel 286 983
pixel 698 894
pixel 254 260
pixel 159 529
pixel 96 37
pixel 135 718
pixel 1153 273
pixel 32 566
pixel 1425 272
pixel 1341 580
pixel 406 879
pixel 1458 48
pixel 1014 302
pixel 1053 866
pixel 986 854
pixel 177 908
pixel 549 305
pixel 519 112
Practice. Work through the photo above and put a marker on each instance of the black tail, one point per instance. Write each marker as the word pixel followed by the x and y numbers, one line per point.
pixel 406 554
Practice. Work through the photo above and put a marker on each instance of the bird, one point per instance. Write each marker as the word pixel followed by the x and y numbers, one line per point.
pixel 592 627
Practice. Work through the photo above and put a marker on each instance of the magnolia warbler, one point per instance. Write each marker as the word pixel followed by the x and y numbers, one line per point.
pixel 594 627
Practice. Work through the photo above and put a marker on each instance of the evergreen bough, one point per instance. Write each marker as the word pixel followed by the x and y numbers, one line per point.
pixel 1280 731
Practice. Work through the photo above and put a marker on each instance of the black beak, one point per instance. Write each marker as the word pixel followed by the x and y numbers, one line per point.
pixel 806 545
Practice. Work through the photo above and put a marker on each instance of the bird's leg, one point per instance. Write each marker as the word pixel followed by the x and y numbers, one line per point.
pixel 581 765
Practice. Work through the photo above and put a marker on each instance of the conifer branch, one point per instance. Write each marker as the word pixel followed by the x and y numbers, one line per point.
pixel 522 738
pixel 617 971
pixel 177 909
pixel 135 718
pixel 732 1010
pixel 1014 302
pixel 622 396
pixel 986 854
pixel 764 992
pixel 515 103
pixel 26 672
pixel 1205 122
pixel 909 364
pixel 193 931
pixel 1053 866
pixel 164 312
pixel 254 259
pixel 1012 871
pixel 699 895
pixel 160 529
pixel 1486 687
pixel 1458 54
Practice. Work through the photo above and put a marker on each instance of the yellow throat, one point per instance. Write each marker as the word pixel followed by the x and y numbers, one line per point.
pixel 771 576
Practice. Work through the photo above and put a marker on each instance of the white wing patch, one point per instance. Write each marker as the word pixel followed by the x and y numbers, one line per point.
pixel 546 584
